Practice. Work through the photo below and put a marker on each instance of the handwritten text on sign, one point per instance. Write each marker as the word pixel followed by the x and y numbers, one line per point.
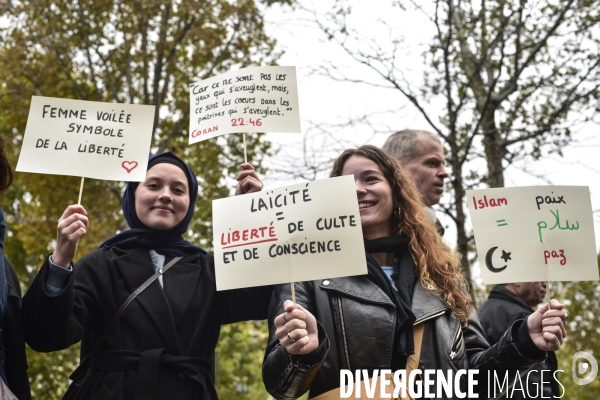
pixel 535 233
pixel 295 233
pixel 84 138
pixel 255 99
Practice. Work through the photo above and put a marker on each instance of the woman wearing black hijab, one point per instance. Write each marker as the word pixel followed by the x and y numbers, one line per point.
pixel 161 346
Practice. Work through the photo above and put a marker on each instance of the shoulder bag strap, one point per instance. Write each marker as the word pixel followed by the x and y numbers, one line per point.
pixel 412 362
pixel 131 297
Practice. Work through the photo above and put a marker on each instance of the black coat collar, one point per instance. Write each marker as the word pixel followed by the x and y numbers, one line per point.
pixel 424 305
pixel 502 293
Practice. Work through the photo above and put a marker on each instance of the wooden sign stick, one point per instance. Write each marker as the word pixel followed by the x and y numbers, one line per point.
pixel 80 190
pixel 293 293
pixel 245 155
pixel 548 293
pixel 80 194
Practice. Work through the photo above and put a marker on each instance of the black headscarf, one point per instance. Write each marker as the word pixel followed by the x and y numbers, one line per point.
pixel 169 242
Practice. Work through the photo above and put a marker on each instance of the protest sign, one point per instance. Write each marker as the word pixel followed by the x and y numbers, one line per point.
pixel 88 139
pixel 255 99
pixel 295 233
pixel 535 233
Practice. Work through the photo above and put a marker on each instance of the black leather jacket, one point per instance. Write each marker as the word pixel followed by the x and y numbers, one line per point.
pixel 357 321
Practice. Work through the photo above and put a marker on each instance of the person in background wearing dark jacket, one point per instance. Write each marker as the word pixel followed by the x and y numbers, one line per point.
pixel 13 362
pixel 505 305
pixel 161 346
pixel 414 284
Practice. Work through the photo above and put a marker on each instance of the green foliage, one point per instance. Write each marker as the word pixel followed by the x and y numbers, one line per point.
pixel 138 51
pixel 47 371
pixel 239 360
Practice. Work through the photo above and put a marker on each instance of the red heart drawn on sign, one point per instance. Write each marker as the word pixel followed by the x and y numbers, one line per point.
pixel 129 165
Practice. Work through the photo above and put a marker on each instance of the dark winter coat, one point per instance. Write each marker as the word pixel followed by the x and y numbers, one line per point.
pixel 14 340
pixel 359 319
pixel 159 347
pixel 501 310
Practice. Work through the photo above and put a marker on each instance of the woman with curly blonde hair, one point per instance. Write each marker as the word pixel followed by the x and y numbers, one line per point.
pixel 411 311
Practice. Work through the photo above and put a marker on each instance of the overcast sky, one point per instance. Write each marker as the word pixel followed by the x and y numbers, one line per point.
pixel 323 101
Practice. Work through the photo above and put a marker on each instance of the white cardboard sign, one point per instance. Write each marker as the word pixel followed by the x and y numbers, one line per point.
pixel 90 139
pixel 534 233
pixel 254 99
pixel 295 233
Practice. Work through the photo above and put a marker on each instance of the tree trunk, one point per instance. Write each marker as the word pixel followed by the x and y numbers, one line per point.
pixel 462 240
pixel 494 149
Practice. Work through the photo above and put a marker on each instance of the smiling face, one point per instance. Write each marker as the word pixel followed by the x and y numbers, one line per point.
pixel 162 200
pixel 375 200
pixel 427 169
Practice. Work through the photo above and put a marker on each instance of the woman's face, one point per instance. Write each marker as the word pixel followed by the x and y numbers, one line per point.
pixel 375 200
pixel 162 200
